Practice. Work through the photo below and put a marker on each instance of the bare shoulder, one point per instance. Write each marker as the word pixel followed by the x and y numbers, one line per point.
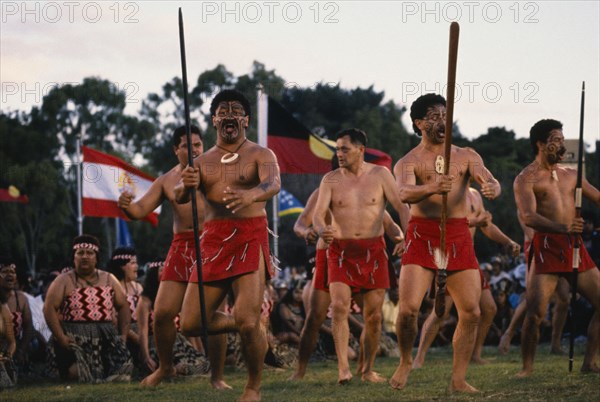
pixel 262 153
pixel 22 297
pixel 475 196
pixel 412 156
pixel 174 174
pixel 527 175
pixel 466 152
pixel 565 170
pixel 474 192
pixel 61 280
pixel 138 287
pixel 376 170
pixel 332 177
pixel 105 275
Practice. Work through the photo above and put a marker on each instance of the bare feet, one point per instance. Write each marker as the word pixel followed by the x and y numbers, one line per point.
pixel 250 395
pixel 219 384
pixel 504 344
pixel 478 360
pixel 462 386
pixel 344 377
pixel 592 368
pixel 157 377
pixel 359 369
pixel 524 373
pixel 400 377
pixel 557 350
pixel 418 363
pixel 297 376
pixel 373 376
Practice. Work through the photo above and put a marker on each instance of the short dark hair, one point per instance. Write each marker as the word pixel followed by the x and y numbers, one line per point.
pixel 120 257
pixel 335 163
pixel 229 95
pixel 540 131
pixel 421 105
pixel 181 131
pixel 357 136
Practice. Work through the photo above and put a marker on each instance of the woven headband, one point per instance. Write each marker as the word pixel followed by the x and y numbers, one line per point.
pixel 123 257
pixel 87 246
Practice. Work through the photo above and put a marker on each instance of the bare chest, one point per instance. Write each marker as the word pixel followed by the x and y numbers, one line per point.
pixel 241 173
pixel 428 166
pixel 360 193
pixel 553 191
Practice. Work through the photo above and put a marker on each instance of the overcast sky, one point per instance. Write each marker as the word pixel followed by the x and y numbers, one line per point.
pixel 518 61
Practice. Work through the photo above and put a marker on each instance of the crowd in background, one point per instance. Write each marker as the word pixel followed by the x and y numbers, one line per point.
pixel 27 346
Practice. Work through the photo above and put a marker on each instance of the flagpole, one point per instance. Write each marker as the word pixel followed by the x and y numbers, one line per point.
pixel 79 162
pixel 262 106
pixel 117 233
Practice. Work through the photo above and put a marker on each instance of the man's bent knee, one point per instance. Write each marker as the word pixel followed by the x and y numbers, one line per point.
pixel 374 319
pixel 339 308
pixel 247 328
pixel 190 326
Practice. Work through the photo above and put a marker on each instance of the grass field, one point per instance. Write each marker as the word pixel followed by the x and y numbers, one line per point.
pixel 551 381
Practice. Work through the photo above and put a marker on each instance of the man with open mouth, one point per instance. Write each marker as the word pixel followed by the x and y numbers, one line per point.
pixel 235 178
pixel 545 196
pixel 422 183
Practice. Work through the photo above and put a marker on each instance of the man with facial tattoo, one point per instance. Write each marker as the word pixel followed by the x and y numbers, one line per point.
pixel 419 175
pixel 545 197
pixel 235 179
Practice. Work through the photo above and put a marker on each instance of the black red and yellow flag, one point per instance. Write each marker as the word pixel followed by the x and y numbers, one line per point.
pixel 300 151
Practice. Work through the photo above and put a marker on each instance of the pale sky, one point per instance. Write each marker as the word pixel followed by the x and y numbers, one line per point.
pixel 518 62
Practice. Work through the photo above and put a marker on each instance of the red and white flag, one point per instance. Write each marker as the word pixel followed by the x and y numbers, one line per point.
pixel 105 177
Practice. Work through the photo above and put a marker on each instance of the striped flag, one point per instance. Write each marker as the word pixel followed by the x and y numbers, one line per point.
pixel 300 151
pixel 105 177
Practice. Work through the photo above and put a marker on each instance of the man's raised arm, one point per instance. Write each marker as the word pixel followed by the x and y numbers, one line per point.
pixel 148 203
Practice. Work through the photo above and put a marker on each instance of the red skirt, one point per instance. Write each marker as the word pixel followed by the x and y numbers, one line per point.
pixel 320 276
pixel 359 263
pixel 553 254
pixel 423 237
pixel 527 253
pixel 484 283
pixel 232 247
pixel 181 258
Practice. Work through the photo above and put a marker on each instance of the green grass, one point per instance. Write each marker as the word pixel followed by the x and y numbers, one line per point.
pixel 550 381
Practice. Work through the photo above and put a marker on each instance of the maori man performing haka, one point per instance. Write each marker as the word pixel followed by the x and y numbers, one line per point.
pixel 235 179
pixel 478 217
pixel 545 197
pixel 355 195
pixel 318 298
pixel 422 184
pixel 179 261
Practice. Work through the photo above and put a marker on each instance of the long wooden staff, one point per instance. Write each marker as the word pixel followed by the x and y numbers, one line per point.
pixel 193 193
pixel 441 255
pixel 578 194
